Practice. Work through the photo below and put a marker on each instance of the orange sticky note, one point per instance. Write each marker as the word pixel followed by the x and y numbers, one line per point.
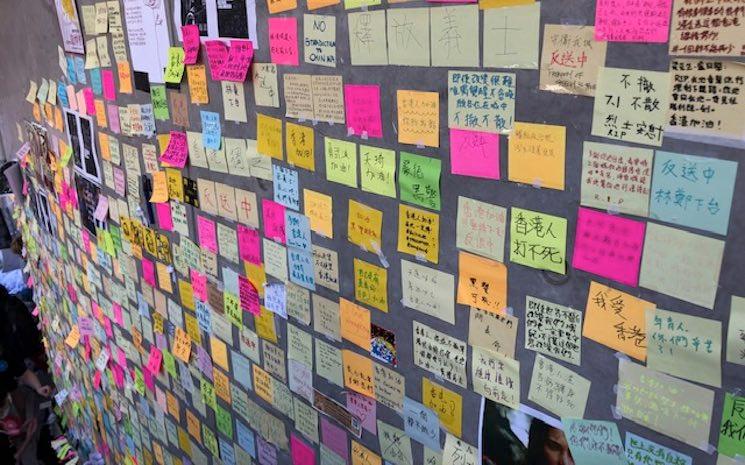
pixel 164 277
pixel 125 77
pixel 371 284
pixel 418 117
pixel 537 155
pixel 617 320
pixel 316 4
pixel 278 6
pixel 181 345
pixel 482 283
pixel 358 373
pixel 105 150
pixel 160 187
pixel 355 323
pixel 219 352
pixel 364 226
pixel 361 455
pixel 100 113
pixel 73 338
pixel 263 384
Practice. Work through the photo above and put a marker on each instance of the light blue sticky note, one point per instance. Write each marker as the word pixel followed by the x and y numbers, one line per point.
pixel 211 130
pixel 286 190
pixel 242 370
pixel 297 230
pixel 62 94
pixel 640 451
pixel 96 83
pixel 204 318
pixel 80 70
pixel 421 424
pixel 593 442
pixel 71 73
pixel 227 453
pixel 301 268
pixel 275 299
pixel 246 438
pixel 692 191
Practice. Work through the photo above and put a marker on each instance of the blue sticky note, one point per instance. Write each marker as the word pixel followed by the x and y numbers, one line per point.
pixel 593 442
pixel 96 83
pixel 203 316
pixel 421 424
pixel 242 370
pixel 71 73
pixel 227 453
pixel 80 70
pixel 300 263
pixel 640 451
pixel 297 230
pixel 692 191
pixel 211 130
pixel 286 190
pixel 275 299
pixel 62 94
pixel 246 439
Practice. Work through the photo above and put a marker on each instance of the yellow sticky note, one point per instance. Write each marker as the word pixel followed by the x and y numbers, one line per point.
pixel 181 345
pixel 371 284
pixel 73 338
pixel 418 117
pixel 447 404
pixel 418 232
pixel 617 320
pixel 103 141
pixel 300 146
pixel 318 208
pixel 482 283
pixel 164 277
pixel 486 4
pixel 263 384
pixel 316 4
pixel 358 373
pixel 186 293
pixel 361 455
pixel 269 136
pixel 537 154
pixel 160 188
pixel 219 352
pixel 364 226
pixel 175 184
pixel 222 383
pixel 196 76
pixel 354 323
pixel 256 274
pixel 125 77
pixel 100 113
pixel 265 325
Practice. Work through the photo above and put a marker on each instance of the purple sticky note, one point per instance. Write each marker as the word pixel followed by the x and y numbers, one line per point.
pixel 335 438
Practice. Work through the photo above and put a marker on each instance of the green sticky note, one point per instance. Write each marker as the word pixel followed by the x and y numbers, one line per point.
pixel 378 170
pixel 175 67
pixel 538 240
pixel 208 393
pixel 160 103
pixel 224 421
pixel 352 4
pixel 731 441
pixel 419 179
pixel 169 362
pixel 594 442
pixel 232 306
pixel 209 440
pixel 341 161
pixel 139 382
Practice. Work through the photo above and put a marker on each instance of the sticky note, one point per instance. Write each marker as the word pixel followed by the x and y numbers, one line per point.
pixel 355 323
pixel 175 66
pixel 511 36
pixel 558 389
pixel 160 188
pixel 627 22
pixel 447 405
pixel 594 441
pixel 419 180
pixel 378 170
pixel 474 153
pixel 410 48
pixel 283 46
pixel 269 136
pixel 736 327
pixel 482 283
pixel 371 284
pixel 419 233
pixel 211 130
pixel 641 451
pixel 176 152
pixel 481 228
pixel 300 146
pixel 553 329
pixel 318 208
pixel 367 38
pixel 358 373
pixel 341 161
pixel 191 43
pixel 538 240
pixel 495 377
pixel 362 108
pixel 455 50
pixel 536 154
pixel 418 117
pixel 479 101
pixel 570 59
pixel 273 215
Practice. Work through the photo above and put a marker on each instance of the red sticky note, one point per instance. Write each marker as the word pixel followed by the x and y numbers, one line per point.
pixel 362 104
pixel 249 296
pixel 177 150
pixel 207 234
pixel 109 87
pixel 148 272
pixel 274 220
pixel 283 47
pixel 249 244
pixel 609 246
pixel 474 153
pixel 217 55
pixel 302 453
pixel 165 218
pixel 632 21
pixel 190 36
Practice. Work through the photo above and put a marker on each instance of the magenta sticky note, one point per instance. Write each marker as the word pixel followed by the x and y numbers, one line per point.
pixel 474 153
pixel 627 21
pixel 608 246
pixel 121 358
pixel 302 453
pixel 190 37
pixel 283 47
pixel 199 285
pixel 97 380
pixel 177 150
pixel 148 272
pixel 118 376
pixel 249 244
pixel 239 59
pixel 362 106
pixel 154 360
pixel 86 237
pixel 365 408
pixel 217 55
pixel 113 114
pixel 207 234
pixel 117 310
pixel 90 103
pixel 249 296
pixel 109 87
pixel 165 218
pixel 149 380
pixel 335 438
pixel 274 220
pixel 107 327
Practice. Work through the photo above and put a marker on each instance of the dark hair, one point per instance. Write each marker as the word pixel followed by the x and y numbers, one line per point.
pixel 536 441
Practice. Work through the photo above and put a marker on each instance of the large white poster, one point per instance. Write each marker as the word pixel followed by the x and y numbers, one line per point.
pixel 147 33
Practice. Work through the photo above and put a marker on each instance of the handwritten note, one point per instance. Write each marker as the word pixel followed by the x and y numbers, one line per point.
pixel 496 377
pixel 283 46
pixel 594 441
pixel 418 117
pixel 474 153
pixel 736 331
pixel 480 228
pixel 371 284
pixel 341 161
pixel 570 59
pixel 538 240
pixel 481 101
pixel 482 283
pixel 378 170
pixel 692 32
pixel 428 290
pixel 440 354
pixel 558 389
pixel 362 107
pixel 553 329
pixel 641 451
pixel 191 43
pixel 629 22
pixel 419 180
pixel 176 152
pixel 418 233
pixel 537 154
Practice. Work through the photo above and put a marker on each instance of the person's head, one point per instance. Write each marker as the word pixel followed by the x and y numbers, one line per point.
pixel 547 445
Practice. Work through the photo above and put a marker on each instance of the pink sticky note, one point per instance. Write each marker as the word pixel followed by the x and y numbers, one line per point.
pixel 177 151
pixel 249 296
pixel 80 97
pixel 102 209
pixel 149 380
pixel 165 219
pixel 109 87
pixel 71 97
pixel 207 234
pixel 302 453
pixel 148 272
pixel 85 326
pixel 362 104
pixel 120 182
pixel 85 235
pixel 118 376
pixel 334 437
pixel 239 59
pixel 90 103
pixel 249 244
pixel 608 246
pixel 217 55
pixel 274 220
pixel 97 380
pixel 283 41
pixel 629 21
pixel 199 285
pixel 365 408
pixel 113 114
pixel 121 358
pixel 190 35
pixel 107 327
pixel 154 360
pixel 474 153
pixel 117 310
